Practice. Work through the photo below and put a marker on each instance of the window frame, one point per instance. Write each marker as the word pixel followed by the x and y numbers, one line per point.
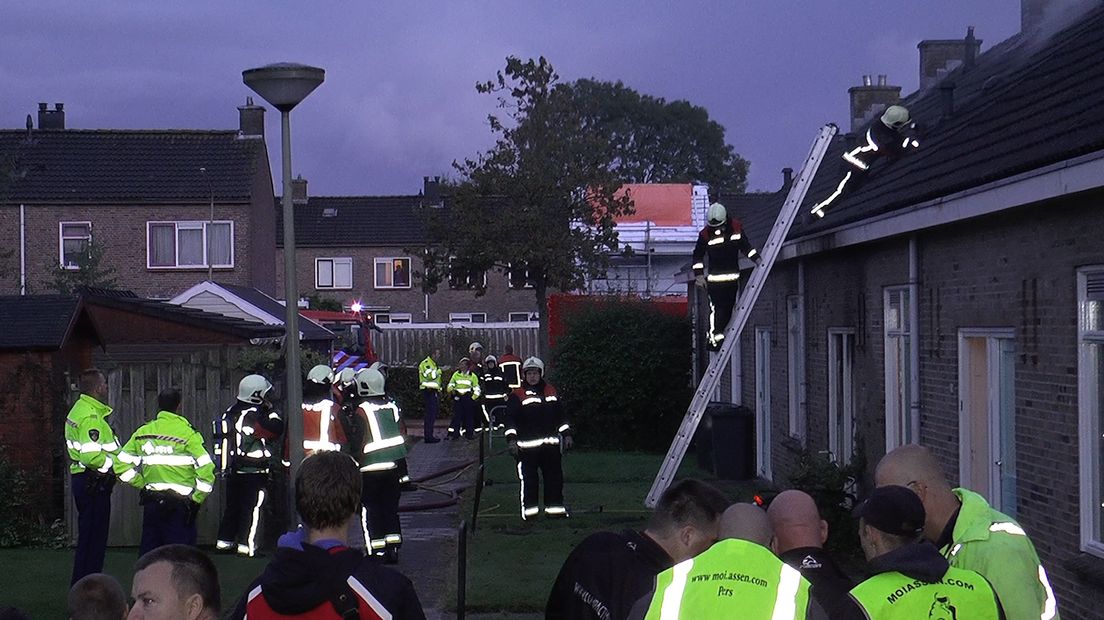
pixel 510 317
pixel 469 286
pixel 510 278
pixel 385 260
pixel 62 238
pixel 1089 412
pixel 187 225
pixel 393 318
pixel 333 260
pixel 466 317
pixel 795 366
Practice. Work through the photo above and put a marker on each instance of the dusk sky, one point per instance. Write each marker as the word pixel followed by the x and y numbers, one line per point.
pixel 399 100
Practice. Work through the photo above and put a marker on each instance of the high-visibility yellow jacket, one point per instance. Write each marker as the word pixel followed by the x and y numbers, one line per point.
pixel 88 437
pixel 464 384
pixel 429 374
pixel 167 454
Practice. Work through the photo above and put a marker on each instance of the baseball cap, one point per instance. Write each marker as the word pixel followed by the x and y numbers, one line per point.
pixel 894 510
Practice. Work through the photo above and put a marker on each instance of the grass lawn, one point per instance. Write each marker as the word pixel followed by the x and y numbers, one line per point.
pixel 512 564
pixel 37 580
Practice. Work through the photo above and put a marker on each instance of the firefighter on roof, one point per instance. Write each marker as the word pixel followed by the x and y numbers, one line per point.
pixel 383 446
pixel 536 431
pixel 722 242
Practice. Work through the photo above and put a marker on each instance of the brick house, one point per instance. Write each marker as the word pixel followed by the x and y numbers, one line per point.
pixel 955 298
pixel 162 205
pixel 366 248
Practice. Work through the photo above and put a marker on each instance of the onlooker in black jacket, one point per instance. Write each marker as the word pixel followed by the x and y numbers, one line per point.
pixel 607 572
pixel 314 574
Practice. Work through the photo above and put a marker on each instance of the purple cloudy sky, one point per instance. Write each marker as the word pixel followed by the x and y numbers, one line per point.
pixel 399 99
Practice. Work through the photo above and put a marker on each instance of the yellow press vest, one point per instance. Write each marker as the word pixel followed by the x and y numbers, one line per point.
pixel 958 595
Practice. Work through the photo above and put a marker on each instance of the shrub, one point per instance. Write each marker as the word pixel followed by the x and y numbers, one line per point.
pixel 18 527
pixel 623 370
pixel 835 489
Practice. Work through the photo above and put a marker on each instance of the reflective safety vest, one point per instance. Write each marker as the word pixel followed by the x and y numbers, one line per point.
pixel 429 374
pixel 731 579
pixel 384 444
pixel 959 594
pixel 167 455
pixel 88 438
pixel 464 383
pixel 993 544
pixel 322 431
pixel 510 365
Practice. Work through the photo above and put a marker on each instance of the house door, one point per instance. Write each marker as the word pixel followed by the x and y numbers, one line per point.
pixel 763 402
pixel 841 394
pixel 987 415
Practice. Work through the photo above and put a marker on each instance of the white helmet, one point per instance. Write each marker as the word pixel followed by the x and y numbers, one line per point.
pixel 346 376
pixel 716 214
pixel 253 389
pixel 475 346
pixel 533 362
pixel 490 359
pixel 896 117
pixel 320 374
pixel 369 382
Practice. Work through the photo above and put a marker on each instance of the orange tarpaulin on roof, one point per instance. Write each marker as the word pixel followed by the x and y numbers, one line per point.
pixel 664 204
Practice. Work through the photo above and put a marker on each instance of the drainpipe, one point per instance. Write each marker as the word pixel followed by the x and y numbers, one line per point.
pixel 425 312
pixel 22 249
pixel 802 405
pixel 914 340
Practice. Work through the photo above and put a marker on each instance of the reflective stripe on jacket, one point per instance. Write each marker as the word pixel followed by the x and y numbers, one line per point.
pixel 534 416
pixel 429 375
pixel 464 383
pixel 89 440
pixel 322 431
pixel 167 454
pixel 384 444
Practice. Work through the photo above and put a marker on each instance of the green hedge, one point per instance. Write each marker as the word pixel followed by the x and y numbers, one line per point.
pixel 623 371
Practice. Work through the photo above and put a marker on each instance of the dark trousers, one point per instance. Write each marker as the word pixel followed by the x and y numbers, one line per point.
pixel 380 496
pixel 93 502
pixel 722 298
pixel 431 399
pixel 548 461
pixel 463 416
pixel 245 495
pixel 166 522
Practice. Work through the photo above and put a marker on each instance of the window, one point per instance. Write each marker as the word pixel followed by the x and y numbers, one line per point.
pixel 1090 378
pixel 73 241
pixel 522 317
pixel 461 277
pixel 467 317
pixel 182 245
pixel 519 276
pixel 333 273
pixel 394 317
pixel 898 368
pixel 841 394
pixel 392 273
pixel 795 322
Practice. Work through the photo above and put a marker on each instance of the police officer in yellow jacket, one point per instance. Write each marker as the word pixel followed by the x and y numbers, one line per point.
pixel 165 458
pixel 911 579
pixel 93 451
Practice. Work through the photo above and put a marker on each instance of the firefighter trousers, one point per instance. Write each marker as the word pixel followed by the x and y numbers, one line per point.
pixel 380 515
pixel 722 299
pixel 245 497
pixel 542 462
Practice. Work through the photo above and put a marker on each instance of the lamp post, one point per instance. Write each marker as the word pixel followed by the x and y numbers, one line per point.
pixel 284 85
pixel 210 225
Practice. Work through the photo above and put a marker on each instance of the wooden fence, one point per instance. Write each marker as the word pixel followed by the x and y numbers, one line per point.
pixel 403 344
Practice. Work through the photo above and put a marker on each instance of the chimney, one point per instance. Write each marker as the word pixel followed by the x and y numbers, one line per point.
pixel 946 99
pixel 1031 15
pixel 251 120
pixel 51 119
pixel 298 189
pixel 868 100
pixel 431 189
pixel 938 57
pixel 787 179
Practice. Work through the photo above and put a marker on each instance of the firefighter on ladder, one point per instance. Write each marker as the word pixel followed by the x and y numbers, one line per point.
pixel 723 242
pixel 536 432
pixel 890 136
pixel 242 454
pixel 378 457
pixel 322 430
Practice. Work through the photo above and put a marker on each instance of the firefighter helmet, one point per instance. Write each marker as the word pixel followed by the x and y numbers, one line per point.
pixel 533 362
pixel 319 374
pixel 716 215
pixel 475 346
pixel 490 359
pixel 346 376
pixel 896 117
pixel 369 382
pixel 253 389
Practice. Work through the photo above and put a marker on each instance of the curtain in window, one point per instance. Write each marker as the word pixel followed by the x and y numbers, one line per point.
pixel 219 244
pixel 190 251
pixel 324 276
pixel 343 273
pixel 383 274
pixel 162 241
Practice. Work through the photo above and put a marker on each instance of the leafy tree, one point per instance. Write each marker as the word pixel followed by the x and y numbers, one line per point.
pixel 90 272
pixel 542 200
pixel 651 140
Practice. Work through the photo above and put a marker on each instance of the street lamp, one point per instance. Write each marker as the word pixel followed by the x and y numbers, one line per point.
pixel 284 85
pixel 210 224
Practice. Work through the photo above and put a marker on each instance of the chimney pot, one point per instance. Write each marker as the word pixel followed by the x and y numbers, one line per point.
pixel 42 107
pixel 787 178
pixel 867 81
pixel 881 79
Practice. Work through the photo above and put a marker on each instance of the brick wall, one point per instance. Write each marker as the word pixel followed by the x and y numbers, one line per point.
pixel 498 301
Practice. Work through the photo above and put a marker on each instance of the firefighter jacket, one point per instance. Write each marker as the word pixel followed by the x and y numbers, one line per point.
pixel 732 579
pixel 510 365
pixel 534 417
pixel 604 575
pixel 993 544
pixel 880 141
pixel 429 375
pixel 384 443
pixel 322 430
pixel 243 436
pixel 723 245
pixel 307 580
pixel 464 384
pixel 914 581
pixel 88 437
pixel 167 455
pixel 493 386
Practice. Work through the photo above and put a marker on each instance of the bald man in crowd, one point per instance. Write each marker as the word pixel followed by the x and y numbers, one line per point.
pixel 97 597
pixel 973 535
pixel 799 537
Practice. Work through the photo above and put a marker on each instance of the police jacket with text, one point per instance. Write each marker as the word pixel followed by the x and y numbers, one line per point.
pixel 166 455
pixel 722 246
pixel 534 416
pixel 915 581
pixel 605 575
pixel 244 435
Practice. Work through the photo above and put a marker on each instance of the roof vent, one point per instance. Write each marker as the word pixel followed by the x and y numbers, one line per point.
pixel 329 212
